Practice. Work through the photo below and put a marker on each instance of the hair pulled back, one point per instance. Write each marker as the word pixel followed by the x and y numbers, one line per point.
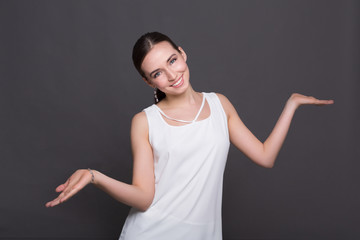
pixel 141 48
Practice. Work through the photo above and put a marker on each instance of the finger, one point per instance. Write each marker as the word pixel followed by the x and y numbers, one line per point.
pixel 52 203
pixel 48 204
pixel 58 200
pixel 68 184
pixel 61 187
pixel 55 202
pixel 68 194
pixel 72 186
pixel 315 101
pixel 324 102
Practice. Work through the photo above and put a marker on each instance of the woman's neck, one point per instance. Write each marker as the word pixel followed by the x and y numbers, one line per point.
pixel 189 97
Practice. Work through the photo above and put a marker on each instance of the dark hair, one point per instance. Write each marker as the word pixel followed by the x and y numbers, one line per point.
pixel 142 46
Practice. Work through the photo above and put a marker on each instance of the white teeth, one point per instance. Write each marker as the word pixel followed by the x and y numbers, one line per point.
pixel 177 83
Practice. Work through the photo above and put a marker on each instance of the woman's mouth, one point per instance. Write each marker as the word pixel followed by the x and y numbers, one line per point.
pixel 179 82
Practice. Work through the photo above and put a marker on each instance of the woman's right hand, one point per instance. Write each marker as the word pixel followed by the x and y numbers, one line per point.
pixel 73 185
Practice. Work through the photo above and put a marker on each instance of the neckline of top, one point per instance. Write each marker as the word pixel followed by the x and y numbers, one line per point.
pixel 184 121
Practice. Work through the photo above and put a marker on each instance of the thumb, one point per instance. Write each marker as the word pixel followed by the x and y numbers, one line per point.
pixel 61 187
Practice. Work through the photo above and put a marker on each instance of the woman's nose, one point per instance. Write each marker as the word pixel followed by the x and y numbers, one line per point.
pixel 171 75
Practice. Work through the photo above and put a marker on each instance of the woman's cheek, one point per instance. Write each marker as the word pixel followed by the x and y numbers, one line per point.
pixel 182 66
pixel 161 82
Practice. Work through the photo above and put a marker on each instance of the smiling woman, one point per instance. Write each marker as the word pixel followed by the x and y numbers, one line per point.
pixel 180 146
pixel 143 45
pixel 165 68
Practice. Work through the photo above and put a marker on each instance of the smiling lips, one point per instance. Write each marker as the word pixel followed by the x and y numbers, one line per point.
pixel 179 82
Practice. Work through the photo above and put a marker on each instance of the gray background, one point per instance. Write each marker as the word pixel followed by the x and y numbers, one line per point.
pixel 68 91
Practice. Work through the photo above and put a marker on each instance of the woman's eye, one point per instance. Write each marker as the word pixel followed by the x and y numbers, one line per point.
pixel 172 60
pixel 156 74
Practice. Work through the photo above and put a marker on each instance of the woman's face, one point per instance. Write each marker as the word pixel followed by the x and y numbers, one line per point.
pixel 165 68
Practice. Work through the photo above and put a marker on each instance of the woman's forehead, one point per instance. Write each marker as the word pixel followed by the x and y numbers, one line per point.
pixel 159 54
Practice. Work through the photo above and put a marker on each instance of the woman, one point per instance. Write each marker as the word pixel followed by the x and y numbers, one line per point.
pixel 180 146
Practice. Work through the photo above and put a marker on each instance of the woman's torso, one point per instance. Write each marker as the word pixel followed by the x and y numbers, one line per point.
pixel 189 162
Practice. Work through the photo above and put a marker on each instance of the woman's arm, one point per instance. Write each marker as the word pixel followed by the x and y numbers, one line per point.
pixel 264 154
pixel 140 193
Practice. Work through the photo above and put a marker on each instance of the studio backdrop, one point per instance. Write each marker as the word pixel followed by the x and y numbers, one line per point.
pixel 68 92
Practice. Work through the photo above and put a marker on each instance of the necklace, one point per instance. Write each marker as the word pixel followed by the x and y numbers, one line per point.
pixel 185 121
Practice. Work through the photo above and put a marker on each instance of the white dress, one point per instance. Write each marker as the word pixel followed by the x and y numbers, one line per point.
pixel 189 162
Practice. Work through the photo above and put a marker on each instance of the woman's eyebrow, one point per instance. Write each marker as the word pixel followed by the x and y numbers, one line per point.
pixel 166 61
pixel 171 57
pixel 154 71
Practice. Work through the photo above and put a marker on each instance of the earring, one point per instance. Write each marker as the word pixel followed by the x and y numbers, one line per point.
pixel 155 95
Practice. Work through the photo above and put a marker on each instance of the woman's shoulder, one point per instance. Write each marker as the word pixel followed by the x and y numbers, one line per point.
pixel 222 98
pixel 139 118
pixel 149 108
pixel 139 124
pixel 225 102
pixel 143 116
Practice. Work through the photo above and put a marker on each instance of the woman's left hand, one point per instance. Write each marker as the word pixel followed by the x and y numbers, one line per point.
pixel 297 100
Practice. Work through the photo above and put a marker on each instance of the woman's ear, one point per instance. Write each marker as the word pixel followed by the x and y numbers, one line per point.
pixel 182 52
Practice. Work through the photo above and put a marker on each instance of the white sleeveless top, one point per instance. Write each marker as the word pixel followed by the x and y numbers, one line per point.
pixel 189 162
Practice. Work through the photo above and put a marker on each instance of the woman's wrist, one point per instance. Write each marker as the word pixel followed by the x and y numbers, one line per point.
pixel 292 103
pixel 92 180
